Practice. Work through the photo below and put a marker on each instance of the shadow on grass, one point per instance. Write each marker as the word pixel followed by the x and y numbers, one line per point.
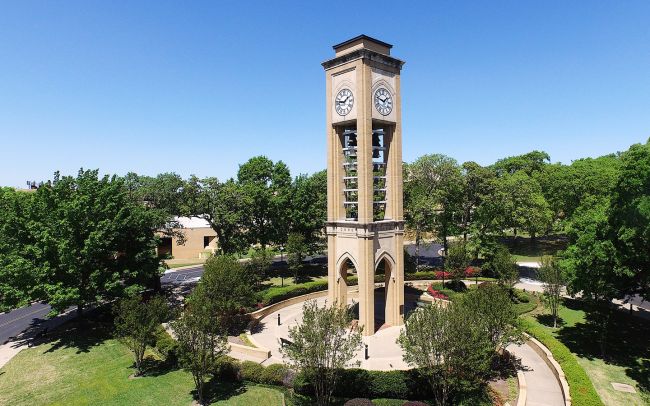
pixel 628 343
pixel 547 320
pixel 216 390
pixel 82 334
pixel 153 367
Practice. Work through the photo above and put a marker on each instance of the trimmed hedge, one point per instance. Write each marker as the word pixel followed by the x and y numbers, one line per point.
pixel 580 386
pixel 374 384
pixel 279 293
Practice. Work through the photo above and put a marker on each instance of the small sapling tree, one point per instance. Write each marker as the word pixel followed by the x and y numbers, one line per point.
pixel 322 345
pixel 136 323
pixel 552 275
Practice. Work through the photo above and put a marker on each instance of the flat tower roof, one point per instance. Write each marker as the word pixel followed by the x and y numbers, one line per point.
pixel 362 37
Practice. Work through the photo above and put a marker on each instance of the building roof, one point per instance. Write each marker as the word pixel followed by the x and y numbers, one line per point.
pixel 192 222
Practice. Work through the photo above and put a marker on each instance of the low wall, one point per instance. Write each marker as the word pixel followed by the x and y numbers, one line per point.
pixel 547 356
pixel 255 352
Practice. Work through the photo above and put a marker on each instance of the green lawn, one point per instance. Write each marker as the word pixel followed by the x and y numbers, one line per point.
pixel 82 366
pixel 627 358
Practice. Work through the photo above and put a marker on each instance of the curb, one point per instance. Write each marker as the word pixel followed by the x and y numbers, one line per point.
pixel 523 389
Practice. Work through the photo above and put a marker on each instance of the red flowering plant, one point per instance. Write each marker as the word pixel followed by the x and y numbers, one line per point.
pixel 436 294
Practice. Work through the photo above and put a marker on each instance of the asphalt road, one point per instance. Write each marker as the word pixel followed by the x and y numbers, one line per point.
pixel 19 320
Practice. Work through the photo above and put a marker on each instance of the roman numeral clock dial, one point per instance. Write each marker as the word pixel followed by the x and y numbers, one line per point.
pixel 344 102
pixel 383 101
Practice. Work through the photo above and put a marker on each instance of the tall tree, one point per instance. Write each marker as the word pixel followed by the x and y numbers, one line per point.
pixel 477 182
pixel 528 163
pixel 419 209
pixel 296 249
pixel 267 186
pixel 90 241
pixel 309 208
pixel 591 263
pixel 322 345
pixel 440 177
pixel 526 206
pixel 224 205
pixel 20 263
pixel 629 219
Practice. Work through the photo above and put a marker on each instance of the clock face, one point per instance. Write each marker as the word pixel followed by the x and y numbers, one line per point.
pixel 383 101
pixel 344 102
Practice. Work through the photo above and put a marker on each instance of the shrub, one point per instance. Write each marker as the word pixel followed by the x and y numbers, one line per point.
pixel 227 368
pixel 251 371
pixel 277 294
pixel 359 402
pixel 166 346
pixel 415 403
pixel 274 374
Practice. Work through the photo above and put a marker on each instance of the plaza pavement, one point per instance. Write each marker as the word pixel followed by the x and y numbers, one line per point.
pixel 385 354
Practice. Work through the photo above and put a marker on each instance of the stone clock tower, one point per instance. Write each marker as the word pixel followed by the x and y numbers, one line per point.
pixel 365 223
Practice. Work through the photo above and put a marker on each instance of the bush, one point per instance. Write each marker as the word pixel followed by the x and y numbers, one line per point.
pixel 166 346
pixel 277 294
pixel 359 402
pixel 415 403
pixel 227 368
pixel 251 371
pixel 274 374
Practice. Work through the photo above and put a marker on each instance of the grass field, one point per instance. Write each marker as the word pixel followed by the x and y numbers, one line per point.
pixel 82 366
pixel 627 358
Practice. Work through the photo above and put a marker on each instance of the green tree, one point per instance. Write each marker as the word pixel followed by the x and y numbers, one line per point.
pixel 137 322
pixel 494 308
pixel 502 265
pixel 224 205
pixel 199 344
pixel 440 177
pixel 20 263
pixel 552 275
pixel 90 242
pixel 526 206
pixel 309 208
pixel 322 345
pixel 457 260
pixel 260 261
pixel 226 289
pixel 629 219
pixel 419 209
pixel 591 263
pixel 477 182
pixel 529 163
pixel 267 186
pixel 296 249
pixel 450 346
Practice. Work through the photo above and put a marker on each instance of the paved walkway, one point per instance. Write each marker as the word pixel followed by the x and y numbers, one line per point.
pixel 384 353
pixel 543 387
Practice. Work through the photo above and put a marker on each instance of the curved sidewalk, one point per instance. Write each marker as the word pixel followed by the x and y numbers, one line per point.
pixel 543 387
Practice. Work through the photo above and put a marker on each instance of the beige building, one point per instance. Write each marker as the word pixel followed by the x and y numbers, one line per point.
pixel 365 223
pixel 200 240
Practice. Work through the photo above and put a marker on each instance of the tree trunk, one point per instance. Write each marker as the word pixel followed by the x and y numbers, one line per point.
pixel 418 237
pixel 80 310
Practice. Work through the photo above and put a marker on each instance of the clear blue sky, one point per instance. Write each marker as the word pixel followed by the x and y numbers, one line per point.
pixel 200 87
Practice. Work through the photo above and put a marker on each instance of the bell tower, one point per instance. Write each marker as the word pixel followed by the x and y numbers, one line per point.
pixel 365 223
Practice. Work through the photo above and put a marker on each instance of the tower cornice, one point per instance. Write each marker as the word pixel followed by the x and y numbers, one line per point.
pixel 363 53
